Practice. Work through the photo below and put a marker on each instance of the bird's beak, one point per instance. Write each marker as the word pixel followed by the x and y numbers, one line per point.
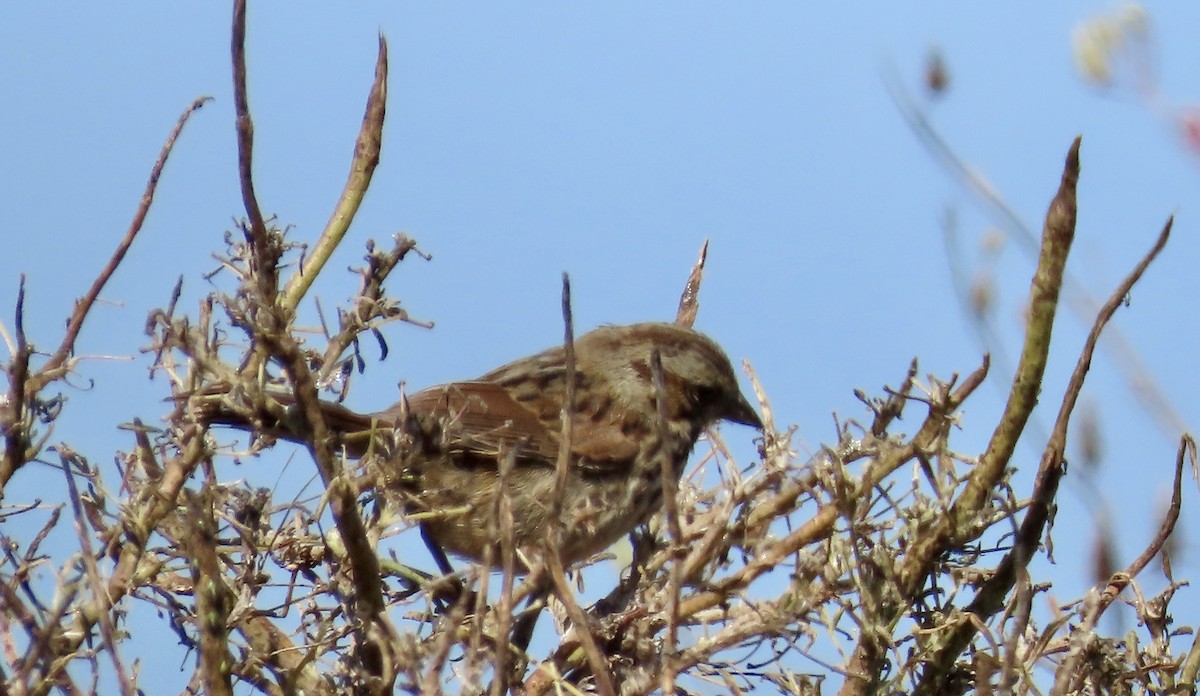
pixel 742 412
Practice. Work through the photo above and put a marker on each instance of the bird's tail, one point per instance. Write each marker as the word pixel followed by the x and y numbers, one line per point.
pixel 277 415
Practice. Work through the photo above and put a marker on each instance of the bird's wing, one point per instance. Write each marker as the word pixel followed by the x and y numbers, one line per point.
pixel 483 420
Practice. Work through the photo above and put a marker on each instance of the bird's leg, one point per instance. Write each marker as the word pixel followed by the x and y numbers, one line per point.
pixel 447 590
pixel 522 630
pixel 435 550
pixel 618 599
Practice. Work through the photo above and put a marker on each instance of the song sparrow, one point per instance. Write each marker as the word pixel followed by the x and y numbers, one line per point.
pixel 438 451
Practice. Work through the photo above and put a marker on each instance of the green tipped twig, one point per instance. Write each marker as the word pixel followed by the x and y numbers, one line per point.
pixel 362 168
pixel 960 525
pixel 991 596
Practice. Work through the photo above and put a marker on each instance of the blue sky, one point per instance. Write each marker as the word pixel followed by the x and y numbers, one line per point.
pixel 608 141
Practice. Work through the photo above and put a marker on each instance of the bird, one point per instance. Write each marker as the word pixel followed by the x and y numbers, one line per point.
pixel 437 454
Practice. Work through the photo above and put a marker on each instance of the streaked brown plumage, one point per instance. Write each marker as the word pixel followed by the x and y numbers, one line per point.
pixel 443 462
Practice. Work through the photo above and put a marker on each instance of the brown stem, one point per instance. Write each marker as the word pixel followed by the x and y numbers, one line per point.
pixel 83 306
pixel 670 487
pixel 12 425
pixel 213 597
pixel 244 124
pixel 583 631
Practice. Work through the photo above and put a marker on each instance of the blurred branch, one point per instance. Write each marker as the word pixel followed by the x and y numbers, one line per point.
pixel 1137 376
pixel 1187 451
pixel 554 566
pixel 562 465
pixel 267 319
pixel 372 307
pixel 137 523
pixel 583 628
pixel 1070 674
pixel 343 500
pixel 295 668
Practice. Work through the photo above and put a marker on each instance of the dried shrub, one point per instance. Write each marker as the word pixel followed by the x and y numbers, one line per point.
pixel 888 562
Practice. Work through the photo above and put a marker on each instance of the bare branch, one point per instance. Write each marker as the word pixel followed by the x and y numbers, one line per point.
pixel 83 307
pixel 257 232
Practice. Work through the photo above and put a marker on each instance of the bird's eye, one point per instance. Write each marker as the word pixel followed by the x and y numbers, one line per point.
pixel 706 394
